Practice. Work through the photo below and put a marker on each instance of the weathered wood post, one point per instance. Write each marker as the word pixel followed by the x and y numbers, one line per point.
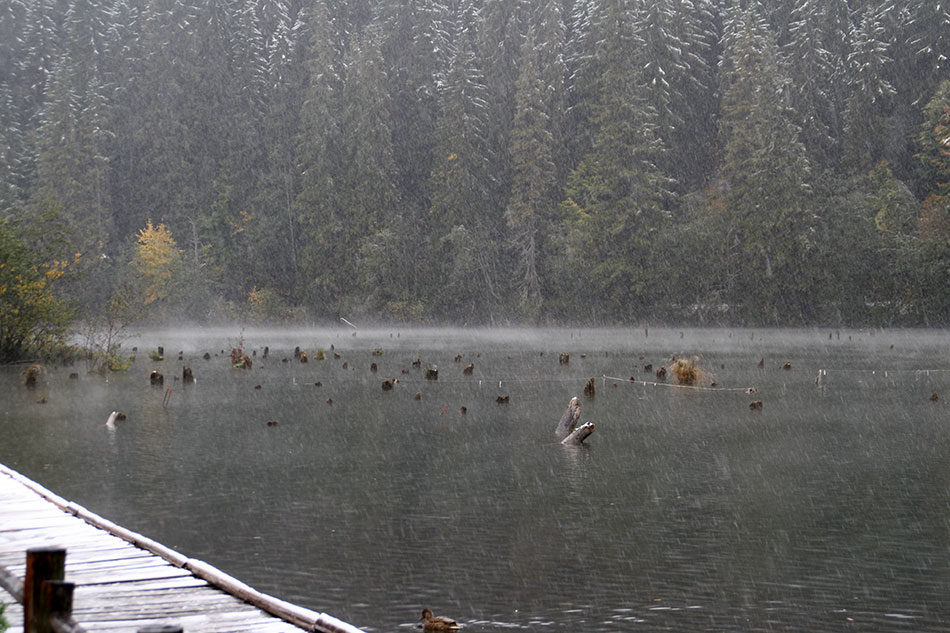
pixel 55 600
pixel 42 564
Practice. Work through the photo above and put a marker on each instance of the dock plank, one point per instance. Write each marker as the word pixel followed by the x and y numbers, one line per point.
pixel 124 581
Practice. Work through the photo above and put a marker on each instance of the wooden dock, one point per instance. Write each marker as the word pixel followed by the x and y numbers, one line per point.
pixel 125 582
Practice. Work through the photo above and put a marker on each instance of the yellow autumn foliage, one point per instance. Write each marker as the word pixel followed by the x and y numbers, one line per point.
pixel 32 318
pixel 156 257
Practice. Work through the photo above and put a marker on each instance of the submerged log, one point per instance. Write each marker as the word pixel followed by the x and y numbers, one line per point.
pixel 579 434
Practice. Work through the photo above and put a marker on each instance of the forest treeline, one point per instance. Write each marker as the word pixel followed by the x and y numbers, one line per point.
pixel 761 162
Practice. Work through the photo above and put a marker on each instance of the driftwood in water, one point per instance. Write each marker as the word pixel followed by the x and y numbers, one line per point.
pixel 579 434
pixel 569 420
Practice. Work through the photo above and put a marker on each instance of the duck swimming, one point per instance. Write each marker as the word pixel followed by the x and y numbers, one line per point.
pixel 432 622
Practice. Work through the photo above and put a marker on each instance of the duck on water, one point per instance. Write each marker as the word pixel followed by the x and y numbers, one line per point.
pixel 435 623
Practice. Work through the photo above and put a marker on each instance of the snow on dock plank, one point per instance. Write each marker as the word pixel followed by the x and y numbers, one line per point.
pixel 125 581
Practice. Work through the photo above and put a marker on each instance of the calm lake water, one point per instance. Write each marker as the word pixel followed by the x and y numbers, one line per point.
pixel 826 510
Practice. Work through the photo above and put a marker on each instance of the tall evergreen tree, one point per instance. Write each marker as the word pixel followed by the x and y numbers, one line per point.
pixel 14 118
pixel 464 226
pixel 765 176
pixel 71 165
pixel 318 204
pixel 533 196
pixel 416 59
pixel 280 235
pixel 584 31
pixel 551 41
pixel 617 197
pixel 817 54
pixel 124 76
pixel 367 191
pixel 501 27
pixel 870 93
pixel 676 80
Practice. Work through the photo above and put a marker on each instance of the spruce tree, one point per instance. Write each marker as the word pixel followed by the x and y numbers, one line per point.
pixel 675 78
pixel 530 209
pixel 618 196
pixel 764 179
pixel 870 94
pixel 817 54
pixel 318 205
pixel 464 226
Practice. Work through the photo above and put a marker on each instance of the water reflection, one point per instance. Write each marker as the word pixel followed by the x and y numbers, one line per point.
pixel 826 510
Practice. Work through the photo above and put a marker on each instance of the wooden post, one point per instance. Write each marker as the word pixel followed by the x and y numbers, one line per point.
pixel 42 564
pixel 56 600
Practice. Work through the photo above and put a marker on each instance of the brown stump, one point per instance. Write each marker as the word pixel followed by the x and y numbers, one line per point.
pixel 589 389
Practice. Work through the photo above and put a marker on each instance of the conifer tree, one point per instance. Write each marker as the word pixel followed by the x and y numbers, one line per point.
pixel 765 175
pixel 676 81
pixel 551 41
pixel 617 197
pixel 318 204
pixel 368 194
pixel 416 54
pixel 500 28
pixel 870 93
pixel 464 226
pixel 124 73
pixel 817 54
pixel 530 208
pixel 279 240
pixel 584 25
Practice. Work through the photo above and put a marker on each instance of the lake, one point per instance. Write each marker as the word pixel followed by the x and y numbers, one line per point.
pixel 826 510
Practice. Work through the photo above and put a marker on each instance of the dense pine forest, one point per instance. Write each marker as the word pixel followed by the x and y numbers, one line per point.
pixel 757 162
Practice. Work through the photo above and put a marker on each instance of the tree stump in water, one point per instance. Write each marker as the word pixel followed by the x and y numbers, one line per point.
pixel 568 430
pixel 589 389
pixel 569 420
pixel 30 376
pixel 579 434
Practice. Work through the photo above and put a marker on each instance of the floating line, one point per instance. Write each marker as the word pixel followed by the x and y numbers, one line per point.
pixel 675 386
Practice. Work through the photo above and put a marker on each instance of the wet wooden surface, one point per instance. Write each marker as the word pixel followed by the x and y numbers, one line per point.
pixel 122 587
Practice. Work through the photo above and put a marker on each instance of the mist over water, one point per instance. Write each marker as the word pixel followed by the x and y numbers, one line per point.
pixel 828 509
